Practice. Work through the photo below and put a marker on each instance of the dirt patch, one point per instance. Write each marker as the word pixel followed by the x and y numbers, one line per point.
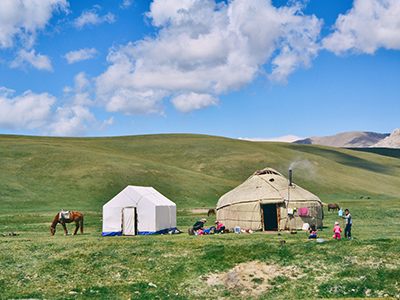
pixel 198 211
pixel 254 278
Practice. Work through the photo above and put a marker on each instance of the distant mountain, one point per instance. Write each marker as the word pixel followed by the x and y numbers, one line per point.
pixel 392 141
pixel 352 139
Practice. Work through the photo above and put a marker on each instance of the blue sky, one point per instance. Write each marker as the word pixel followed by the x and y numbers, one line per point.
pixel 253 69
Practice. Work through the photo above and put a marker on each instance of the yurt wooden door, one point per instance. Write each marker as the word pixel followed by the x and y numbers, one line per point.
pixel 270 218
pixel 129 220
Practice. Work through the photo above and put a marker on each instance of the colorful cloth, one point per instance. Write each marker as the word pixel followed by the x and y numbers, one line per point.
pixel 303 211
pixel 219 225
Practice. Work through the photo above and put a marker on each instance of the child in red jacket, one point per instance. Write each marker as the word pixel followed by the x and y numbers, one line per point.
pixel 337 230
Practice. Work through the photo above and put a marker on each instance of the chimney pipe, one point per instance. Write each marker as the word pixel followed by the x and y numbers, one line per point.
pixel 290 177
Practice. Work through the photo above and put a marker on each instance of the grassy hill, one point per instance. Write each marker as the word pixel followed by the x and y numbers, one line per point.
pixel 41 175
pixel 49 173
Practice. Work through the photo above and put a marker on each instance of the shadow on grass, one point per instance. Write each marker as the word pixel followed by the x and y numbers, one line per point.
pixel 349 160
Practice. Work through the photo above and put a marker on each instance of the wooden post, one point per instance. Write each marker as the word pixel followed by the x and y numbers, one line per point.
pixel 262 216
pixel 278 215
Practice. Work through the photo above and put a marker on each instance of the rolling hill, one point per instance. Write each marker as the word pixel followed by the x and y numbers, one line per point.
pixel 44 174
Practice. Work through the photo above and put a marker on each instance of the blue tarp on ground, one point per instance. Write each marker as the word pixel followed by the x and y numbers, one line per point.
pixel 157 232
pixel 119 233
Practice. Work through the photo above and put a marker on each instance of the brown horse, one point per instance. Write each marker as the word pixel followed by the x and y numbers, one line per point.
pixel 333 207
pixel 74 216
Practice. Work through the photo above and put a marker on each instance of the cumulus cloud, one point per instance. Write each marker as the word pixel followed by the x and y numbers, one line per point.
pixel 91 17
pixel 192 101
pixel 21 20
pixel 38 61
pixel 204 49
pixel 80 93
pixel 80 55
pixel 71 121
pixel 128 101
pixel 369 25
pixel 27 111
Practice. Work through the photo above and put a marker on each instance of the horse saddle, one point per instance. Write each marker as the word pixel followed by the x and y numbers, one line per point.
pixel 65 215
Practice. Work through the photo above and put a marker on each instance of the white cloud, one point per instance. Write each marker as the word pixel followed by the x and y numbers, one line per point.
pixel 369 25
pixel 130 102
pixel 206 48
pixel 27 111
pixel 126 3
pixel 110 121
pixel 71 121
pixel 38 61
pixel 192 101
pixel 21 20
pixel 91 17
pixel 80 93
pixel 31 111
pixel 107 123
pixel 80 55
pixel 81 82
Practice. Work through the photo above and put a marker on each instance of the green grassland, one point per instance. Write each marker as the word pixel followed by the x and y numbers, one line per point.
pixel 41 175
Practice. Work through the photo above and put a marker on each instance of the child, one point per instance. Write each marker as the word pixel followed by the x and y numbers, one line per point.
pixel 337 230
pixel 220 227
pixel 347 230
pixel 313 232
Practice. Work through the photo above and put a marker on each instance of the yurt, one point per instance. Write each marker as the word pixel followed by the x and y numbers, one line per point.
pixel 138 210
pixel 268 201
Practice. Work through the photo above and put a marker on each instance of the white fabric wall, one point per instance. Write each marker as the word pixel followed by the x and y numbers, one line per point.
pixel 154 211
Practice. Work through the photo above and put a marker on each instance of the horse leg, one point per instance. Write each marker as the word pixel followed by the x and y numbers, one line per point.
pixel 65 228
pixel 82 225
pixel 76 227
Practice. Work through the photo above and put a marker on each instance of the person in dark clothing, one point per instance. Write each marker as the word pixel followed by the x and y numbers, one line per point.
pixel 347 230
pixel 199 224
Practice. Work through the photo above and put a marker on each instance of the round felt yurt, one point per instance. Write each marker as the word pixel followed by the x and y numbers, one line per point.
pixel 269 201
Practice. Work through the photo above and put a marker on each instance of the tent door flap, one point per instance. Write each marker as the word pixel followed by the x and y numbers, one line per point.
pixel 269 216
pixel 129 221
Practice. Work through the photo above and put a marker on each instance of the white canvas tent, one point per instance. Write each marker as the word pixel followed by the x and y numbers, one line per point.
pixel 138 210
pixel 268 201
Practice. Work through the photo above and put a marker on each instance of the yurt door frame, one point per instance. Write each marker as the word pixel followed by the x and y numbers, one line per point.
pixel 269 217
pixel 128 221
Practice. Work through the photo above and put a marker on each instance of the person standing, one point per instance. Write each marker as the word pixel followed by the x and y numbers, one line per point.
pixel 347 230
pixel 337 230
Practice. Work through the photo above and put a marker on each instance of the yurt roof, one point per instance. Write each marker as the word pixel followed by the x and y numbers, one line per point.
pixel 267 186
